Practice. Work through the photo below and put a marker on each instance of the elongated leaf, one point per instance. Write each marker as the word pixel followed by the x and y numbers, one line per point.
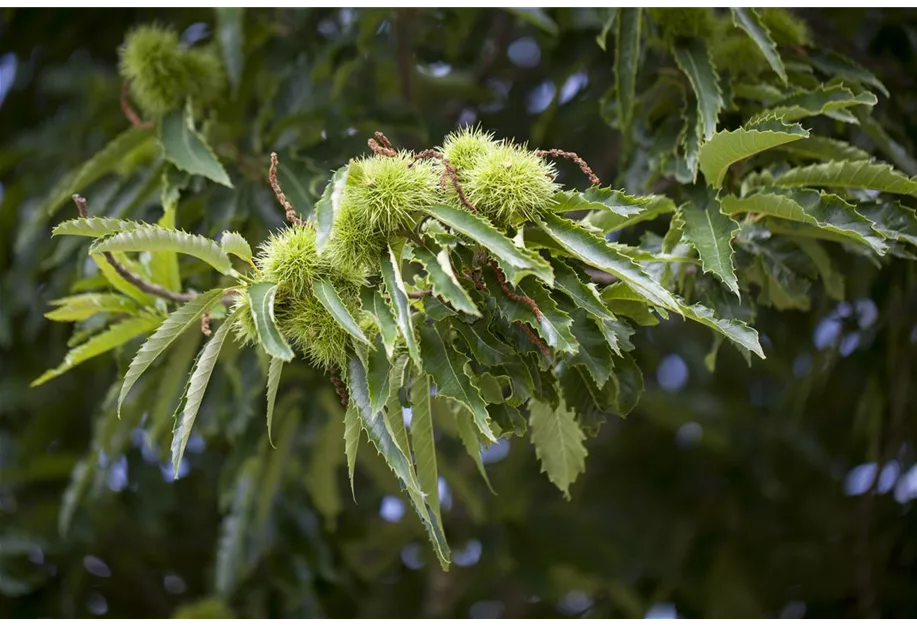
pixel 594 352
pixel 447 367
pixel 352 426
pixel 849 174
pixel 178 322
pixel 107 160
pixel 273 382
pixel 187 149
pixel 424 446
pixel 442 279
pixel 113 337
pixel 375 428
pixel 892 219
pixel 735 331
pixel 82 306
pixel 833 217
pixel 553 325
pixel 119 282
pixel 231 35
pixel 516 262
pixel 817 102
pixel 710 232
pixel 485 347
pixel 627 58
pixel 835 64
pixel 749 21
pixel 583 293
pixel 629 383
pixel 379 376
pixel 164 264
pixel 197 385
pixel 374 303
pixel 558 442
pixel 897 153
pixel 394 284
pixel 616 201
pixel 693 59
pixel 328 296
pixel 155 238
pixel 170 389
pixel 594 251
pixel 94 227
pixel 326 209
pixel 261 299
pixel 824 149
pixel 536 17
pixel 234 244
pixel 728 147
pixel 462 424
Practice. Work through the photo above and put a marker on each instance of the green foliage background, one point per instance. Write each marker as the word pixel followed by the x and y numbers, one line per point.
pixel 742 492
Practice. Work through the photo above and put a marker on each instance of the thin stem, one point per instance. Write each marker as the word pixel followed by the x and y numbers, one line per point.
pixel 291 216
pixel 134 279
pixel 575 158
pixel 128 110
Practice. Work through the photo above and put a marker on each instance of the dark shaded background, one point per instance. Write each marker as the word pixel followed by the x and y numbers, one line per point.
pixel 783 489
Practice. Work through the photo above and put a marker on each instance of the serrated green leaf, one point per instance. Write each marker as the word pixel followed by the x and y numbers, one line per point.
pixel 187 149
pixel 623 301
pixel 176 324
pixel 832 216
pixel 468 435
pixel 425 458
pixel 693 59
pixel 583 293
pixel 379 373
pixel 627 58
pixel 816 102
pixel 233 243
pixel 690 139
pixel 150 237
pixel 735 331
pixel 230 32
pixel 394 285
pixel 837 65
pixel 849 174
pixel 111 338
pixel 515 262
pixel 374 303
pixel 824 149
pixel 709 231
pixel 594 251
pixel 164 264
pixel 447 367
pixel 328 296
pixel 170 388
pixel 94 227
pixel 261 300
pixel 107 160
pixel 352 426
pixel 749 21
pixel 629 383
pixel 273 382
pixel 778 270
pixel 443 281
pixel 82 306
pixel 727 147
pixel 594 353
pixel 553 325
pixel 327 207
pixel 485 347
pixel 558 442
pixel 892 219
pixel 197 385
